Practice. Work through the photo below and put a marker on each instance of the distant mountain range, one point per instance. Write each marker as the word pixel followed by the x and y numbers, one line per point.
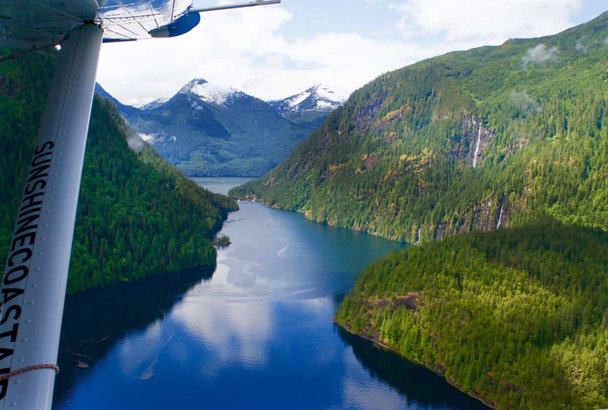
pixel 209 130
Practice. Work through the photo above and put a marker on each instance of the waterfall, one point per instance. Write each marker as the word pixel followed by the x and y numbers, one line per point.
pixel 418 241
pixel 500 215
pixel 477 147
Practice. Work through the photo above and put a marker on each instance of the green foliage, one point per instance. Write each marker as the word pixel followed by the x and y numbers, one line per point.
pixel 136 216
pixel 397 159
pixel 462 143
pixel 222 241
pixel 518 316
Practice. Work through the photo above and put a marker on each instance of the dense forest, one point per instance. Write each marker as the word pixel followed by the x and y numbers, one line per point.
pixel 512 140
pixel 466 141
pixel 517 316
pixel 137 215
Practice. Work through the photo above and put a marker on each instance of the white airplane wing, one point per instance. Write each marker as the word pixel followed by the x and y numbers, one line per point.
pixel 136 19
pixel 36 24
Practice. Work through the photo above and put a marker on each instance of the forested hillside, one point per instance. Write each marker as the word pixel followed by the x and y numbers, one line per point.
pixel 516 316
pixel 137 215
pixel 512 137
pixel 469 140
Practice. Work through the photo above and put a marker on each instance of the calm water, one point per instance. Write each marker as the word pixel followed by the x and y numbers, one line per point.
pixel 255 333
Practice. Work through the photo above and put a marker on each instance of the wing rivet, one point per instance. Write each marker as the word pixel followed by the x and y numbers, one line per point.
pixel 28 321
pixel 21 360
pixel 38 269
pixel 25 340
pixel 18 381
pixel 35 285
pixel 31 302
pixel 14 404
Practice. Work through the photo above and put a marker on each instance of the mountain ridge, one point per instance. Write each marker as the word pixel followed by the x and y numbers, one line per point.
pixel 210 130
pixel 439 135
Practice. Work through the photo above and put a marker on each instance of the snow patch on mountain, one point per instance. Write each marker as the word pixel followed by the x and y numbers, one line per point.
pixel 211 93
pixel 151 104
pixel 311 106
pixel 149 138
pixel 317 98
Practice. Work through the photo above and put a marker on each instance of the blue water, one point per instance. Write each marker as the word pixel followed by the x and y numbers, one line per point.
pixel 256 332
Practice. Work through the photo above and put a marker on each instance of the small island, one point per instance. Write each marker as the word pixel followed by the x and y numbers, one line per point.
pixel 222 241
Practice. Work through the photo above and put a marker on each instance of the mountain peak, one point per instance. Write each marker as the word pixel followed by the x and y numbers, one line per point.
pixel 149 105
pixel 211 93
pixel 198 81
pixel 319 98
pixel 322 91
pixel 310 106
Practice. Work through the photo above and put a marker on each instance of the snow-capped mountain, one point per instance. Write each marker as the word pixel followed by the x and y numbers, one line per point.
pixel 212 93
pixel 310 106
pixel 206 129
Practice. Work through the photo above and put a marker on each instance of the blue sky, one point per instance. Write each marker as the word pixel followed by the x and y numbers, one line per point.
pixel 276 51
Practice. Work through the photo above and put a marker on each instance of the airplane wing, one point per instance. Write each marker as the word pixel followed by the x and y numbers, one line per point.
pixel 38 23
pixel 135 19
pixel 125 20
pixel 32 291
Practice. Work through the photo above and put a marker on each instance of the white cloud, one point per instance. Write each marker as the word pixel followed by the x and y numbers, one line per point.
pixel 581 47
pixel 269 53
pixel 524 101
pixel 237 332
pixel 494 21
pixel 540 55
pixel 246 50
pixel 222 49
pixel 136 142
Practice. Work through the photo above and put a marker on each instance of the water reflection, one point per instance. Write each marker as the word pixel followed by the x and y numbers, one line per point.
pixel 237 333
pixel 93 322
pixel 423 388
pixel 258 335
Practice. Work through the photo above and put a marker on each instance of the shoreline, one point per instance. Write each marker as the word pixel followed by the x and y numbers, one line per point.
pixel 322 222
pixel 485 401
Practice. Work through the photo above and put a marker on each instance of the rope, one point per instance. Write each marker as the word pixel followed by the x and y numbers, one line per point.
pixel 29 369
